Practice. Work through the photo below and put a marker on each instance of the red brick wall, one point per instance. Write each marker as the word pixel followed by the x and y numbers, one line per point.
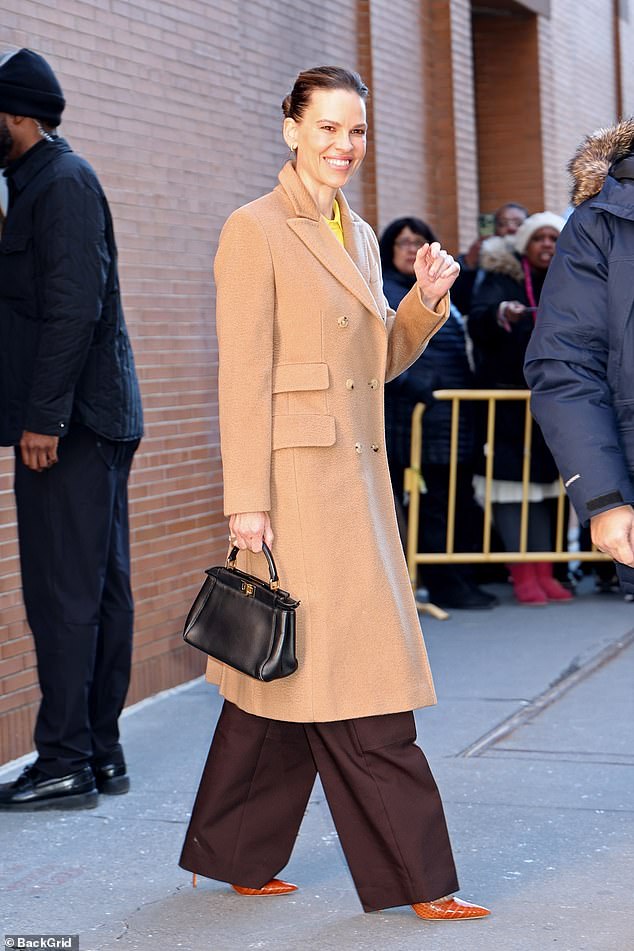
pixel 439 121
pixel 508 110
pixel 177 105
pixel 398 100
pixel 465 138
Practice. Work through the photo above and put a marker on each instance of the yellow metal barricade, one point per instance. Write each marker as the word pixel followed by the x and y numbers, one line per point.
pixel 414 486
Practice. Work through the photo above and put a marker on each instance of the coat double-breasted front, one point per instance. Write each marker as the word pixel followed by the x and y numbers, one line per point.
pixel 306 343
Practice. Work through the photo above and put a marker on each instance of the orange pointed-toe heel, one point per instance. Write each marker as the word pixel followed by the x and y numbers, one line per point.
pixel 449 909
pixel 274 887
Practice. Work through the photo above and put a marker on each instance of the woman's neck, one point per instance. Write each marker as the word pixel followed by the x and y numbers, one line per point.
pixel 322 195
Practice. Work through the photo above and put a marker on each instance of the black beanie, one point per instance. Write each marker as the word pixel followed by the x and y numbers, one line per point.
pixel 29 87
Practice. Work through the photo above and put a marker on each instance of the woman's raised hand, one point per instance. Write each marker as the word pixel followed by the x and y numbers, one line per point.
pixel 247 529
pixel 435 271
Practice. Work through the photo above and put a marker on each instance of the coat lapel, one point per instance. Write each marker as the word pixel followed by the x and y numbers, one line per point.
pixel 307 223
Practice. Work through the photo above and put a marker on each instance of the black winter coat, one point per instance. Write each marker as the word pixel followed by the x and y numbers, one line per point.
pixel 580 363
pixel 443 365
pixel 64 348
pixel 499 360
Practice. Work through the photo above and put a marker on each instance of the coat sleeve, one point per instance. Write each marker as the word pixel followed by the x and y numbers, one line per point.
pixel 566 369
pixel 411 326
pixel 245 307
pixel 73 261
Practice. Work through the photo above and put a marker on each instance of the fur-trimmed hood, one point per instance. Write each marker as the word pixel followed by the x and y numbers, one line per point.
pixel 498 255
pixel 590 165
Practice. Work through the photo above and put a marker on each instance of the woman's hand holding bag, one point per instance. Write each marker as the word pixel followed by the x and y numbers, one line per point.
pixel 247 530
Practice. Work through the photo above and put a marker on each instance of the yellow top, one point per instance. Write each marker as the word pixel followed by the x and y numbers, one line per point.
pixel 334 223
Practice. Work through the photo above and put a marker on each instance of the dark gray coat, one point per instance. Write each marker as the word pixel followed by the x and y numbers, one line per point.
pixel 64 347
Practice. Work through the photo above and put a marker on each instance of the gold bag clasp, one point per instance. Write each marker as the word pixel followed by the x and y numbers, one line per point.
pixel 248 589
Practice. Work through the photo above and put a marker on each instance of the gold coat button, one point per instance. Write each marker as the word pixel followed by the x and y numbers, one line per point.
pixel 350 384
pixel 373 384
pixel 343 321
pixel 358 448
pixel 374 447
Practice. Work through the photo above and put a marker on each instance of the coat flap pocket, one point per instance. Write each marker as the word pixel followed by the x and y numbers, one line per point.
pixel 14 242
pixel 303 429
pixel 294 377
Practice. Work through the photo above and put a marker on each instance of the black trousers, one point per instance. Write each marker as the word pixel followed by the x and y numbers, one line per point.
pixel 434 504
pixel 75 560
pixel 385 804
pixel 508 521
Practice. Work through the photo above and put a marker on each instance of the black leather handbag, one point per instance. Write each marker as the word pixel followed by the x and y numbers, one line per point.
pixel 244 622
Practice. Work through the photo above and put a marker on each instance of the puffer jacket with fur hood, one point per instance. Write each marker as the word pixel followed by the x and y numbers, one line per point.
pixel 580 361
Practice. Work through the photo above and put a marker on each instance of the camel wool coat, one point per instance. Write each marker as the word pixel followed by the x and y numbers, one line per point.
pixel 306 342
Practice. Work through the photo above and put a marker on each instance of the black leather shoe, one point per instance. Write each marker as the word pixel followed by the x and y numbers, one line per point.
pixel 112 778
pixel 463 596
pixel 491 598
pixel 34 789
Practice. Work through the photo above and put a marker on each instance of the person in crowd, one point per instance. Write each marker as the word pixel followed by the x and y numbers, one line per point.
pixel 501 322
pixel 70 405
pixel 578 363
pixel 443 364
pixel 305 345
pixel 506 221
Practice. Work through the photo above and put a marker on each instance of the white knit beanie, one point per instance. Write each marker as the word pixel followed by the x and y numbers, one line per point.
pixel 543 219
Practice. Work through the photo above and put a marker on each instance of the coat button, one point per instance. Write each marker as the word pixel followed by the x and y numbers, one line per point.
pixel 350 384
pixel 374 447
pixel 358 448
pixel 343 321
pixel 373 384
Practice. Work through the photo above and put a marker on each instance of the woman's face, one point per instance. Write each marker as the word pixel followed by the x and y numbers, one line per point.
pixel 541 247
pixel 406 245
pixel 330 137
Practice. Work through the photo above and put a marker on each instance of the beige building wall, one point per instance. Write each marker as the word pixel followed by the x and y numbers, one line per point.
pixel 578 85
pixel 626 43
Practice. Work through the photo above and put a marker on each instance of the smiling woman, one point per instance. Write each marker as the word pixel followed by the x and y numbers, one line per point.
pixel 306 342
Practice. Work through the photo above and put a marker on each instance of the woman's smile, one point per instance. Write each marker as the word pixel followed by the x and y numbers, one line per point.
pixel 338 163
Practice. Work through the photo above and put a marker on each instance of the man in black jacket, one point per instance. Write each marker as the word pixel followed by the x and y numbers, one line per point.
pixel 579 363
pixel 70 405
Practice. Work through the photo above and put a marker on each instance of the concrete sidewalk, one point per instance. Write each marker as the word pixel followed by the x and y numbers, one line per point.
pixel 532 747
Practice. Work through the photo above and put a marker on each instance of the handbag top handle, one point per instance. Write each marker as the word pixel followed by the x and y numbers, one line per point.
pixel 274 581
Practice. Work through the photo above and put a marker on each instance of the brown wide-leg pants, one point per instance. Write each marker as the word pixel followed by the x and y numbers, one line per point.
pixel 385 804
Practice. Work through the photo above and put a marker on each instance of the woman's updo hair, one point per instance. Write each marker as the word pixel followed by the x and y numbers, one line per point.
pixel 321 77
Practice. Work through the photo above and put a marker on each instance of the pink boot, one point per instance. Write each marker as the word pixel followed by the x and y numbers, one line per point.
pixel 527 588
pixel 553 590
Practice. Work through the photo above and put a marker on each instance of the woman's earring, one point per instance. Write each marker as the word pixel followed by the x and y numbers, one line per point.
pixel 293 150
